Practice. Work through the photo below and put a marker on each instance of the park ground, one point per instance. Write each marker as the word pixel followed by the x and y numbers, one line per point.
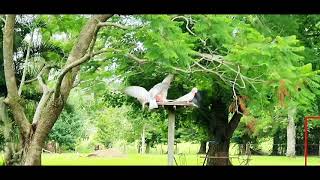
pixel 185 154
pixel 154 160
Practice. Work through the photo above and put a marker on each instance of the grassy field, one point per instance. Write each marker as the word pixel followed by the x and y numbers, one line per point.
pixel 136 159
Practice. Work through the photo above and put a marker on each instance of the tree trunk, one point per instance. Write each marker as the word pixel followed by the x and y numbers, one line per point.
pixel 33 147
pixel 291 133
pixel 139 147
pixel 161 150
pixel 34 135
pixel 203 147
pixel 220 152
pixel 221 130
pixel 248 150
pixel 147 148
pixel 143 140
pixel 276 143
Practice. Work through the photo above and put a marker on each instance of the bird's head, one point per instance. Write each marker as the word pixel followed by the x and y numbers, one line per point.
pixel 168 79
pixel 194 90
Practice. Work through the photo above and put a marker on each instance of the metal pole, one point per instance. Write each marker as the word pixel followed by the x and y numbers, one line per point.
pixel 171 124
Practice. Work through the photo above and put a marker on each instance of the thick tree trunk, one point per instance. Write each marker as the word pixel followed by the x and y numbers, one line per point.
pixel 291 133
pixel 220 152
pixel 221 130
pixel 33 155
pixel 33 147
pixel 203 147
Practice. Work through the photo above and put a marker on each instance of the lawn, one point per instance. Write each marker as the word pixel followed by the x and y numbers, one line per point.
pixel 136 159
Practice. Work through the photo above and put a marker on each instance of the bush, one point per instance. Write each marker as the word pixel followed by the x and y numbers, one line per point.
pixel 68 129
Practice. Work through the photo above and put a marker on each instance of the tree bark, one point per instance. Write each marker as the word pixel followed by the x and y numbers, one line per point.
pixel 13 98
pixel 203 147
pixel 291 133
pixel 220 152
pixel 221 131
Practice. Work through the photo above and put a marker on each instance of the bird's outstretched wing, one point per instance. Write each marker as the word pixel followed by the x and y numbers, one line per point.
pixel 138 92
pixel 142 95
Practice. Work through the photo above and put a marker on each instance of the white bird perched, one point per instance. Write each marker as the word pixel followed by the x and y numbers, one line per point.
pixel 159 91
pixel 188 97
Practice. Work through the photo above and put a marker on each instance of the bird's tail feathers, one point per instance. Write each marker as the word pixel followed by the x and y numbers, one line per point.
pixel 153 104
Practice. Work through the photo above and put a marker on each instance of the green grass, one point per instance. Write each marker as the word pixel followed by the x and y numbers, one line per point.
pixel 136 159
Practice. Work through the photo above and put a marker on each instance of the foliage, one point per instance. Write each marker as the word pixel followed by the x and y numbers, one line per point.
pixel 113 125
pixel 73 126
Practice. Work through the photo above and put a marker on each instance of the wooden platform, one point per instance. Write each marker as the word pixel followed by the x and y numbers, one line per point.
pixel 176 103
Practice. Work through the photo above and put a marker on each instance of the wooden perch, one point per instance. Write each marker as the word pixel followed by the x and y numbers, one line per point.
pixel 175 104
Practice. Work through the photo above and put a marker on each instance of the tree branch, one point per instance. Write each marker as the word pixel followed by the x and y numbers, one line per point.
pixel 42 83
pixel 8 56
pixel 13 97
pixel 233 124
pixel 2 18
pixel 25 66
pixel 102 24
pixel 69 67
pixel 187 23
pixel 235 96
pixel 77 81
pixel 43 68
pixel 78 55
pixel 44 99
pixel 140 61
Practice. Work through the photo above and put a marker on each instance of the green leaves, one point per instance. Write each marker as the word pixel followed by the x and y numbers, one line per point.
pixel 165 41
pixel 217 28
pixel 69 128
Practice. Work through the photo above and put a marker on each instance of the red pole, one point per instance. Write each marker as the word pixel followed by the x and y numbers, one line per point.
pixel 305 140
pixel 306 136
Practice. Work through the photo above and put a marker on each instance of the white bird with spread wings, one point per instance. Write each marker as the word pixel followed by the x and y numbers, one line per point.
pixel 156 93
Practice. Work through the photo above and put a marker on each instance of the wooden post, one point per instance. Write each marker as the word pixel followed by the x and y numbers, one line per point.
pixel 143 140
pixel 171 125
